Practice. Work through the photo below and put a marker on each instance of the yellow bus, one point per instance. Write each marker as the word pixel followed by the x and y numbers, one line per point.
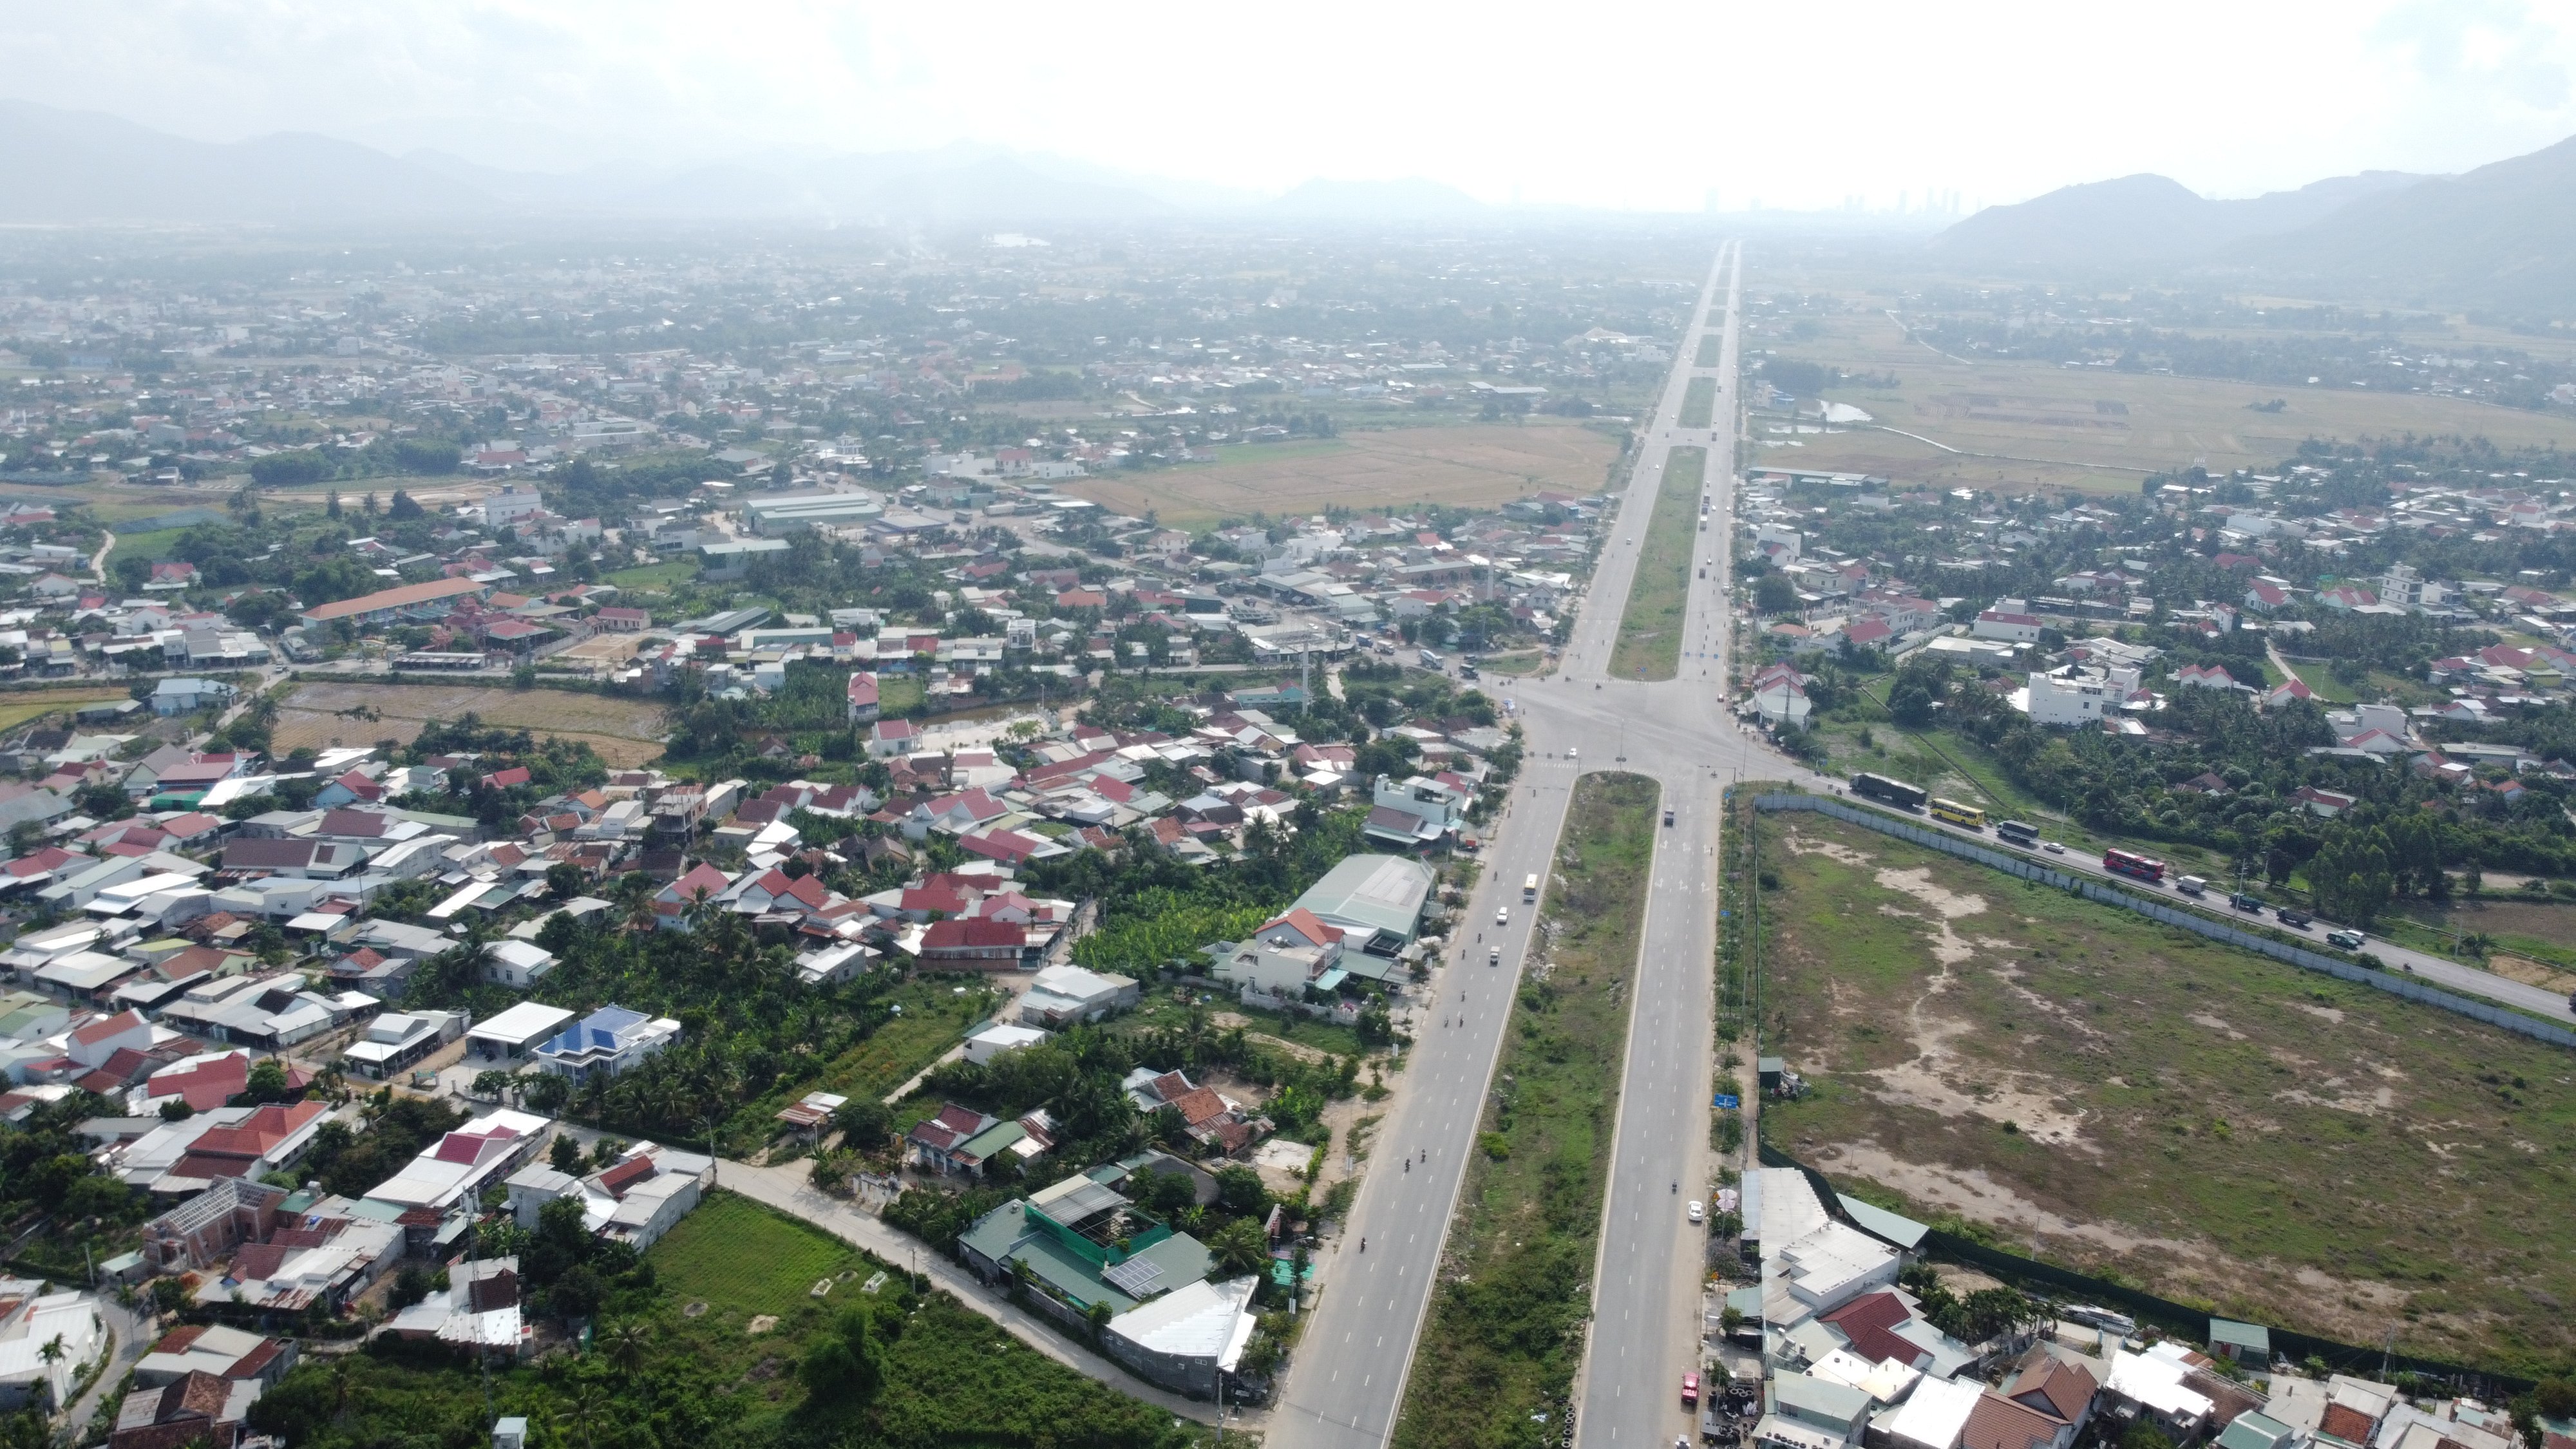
pixel 1956 813
pixel 1529 888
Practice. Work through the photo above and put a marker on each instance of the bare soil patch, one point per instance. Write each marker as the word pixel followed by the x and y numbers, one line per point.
pixel 2219 1128
pixel 626 732
pixel 1475 466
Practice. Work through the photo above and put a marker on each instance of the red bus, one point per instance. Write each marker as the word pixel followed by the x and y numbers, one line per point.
pixel 2122 862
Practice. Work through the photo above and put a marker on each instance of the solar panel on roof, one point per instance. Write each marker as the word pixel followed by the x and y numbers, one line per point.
pixel 1135 1277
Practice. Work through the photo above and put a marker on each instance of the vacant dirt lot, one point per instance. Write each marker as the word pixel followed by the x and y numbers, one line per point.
pixel 624 731
pixel 1472 466
pixel 2217 1127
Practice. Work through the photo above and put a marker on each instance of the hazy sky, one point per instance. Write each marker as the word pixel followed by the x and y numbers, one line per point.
pixel 1629 103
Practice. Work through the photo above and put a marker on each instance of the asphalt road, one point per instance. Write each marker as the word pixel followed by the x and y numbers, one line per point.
pixel 1348 1379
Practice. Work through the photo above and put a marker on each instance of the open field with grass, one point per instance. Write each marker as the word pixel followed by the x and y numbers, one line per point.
pixel 1474 465
pixel 2211 1125
pixel 657 578
pixel 624 731
pixel 2017 425
pixel 741 1259
pixel 1650 631
pixel 934 1018
pixel 2538 930
pixel 1505 1331
pixel 18 708
pixel 1699 399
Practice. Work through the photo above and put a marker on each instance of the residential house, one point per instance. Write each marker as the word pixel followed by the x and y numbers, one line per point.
pixel 610 1040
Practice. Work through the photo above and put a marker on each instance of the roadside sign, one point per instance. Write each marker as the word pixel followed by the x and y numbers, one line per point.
pixel 1728 1101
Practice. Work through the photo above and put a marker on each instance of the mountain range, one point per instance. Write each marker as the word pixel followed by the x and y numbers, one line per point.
pixel 2493 238
pixel 74 167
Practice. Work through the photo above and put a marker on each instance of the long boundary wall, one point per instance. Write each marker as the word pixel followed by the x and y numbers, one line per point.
pixel 2192 921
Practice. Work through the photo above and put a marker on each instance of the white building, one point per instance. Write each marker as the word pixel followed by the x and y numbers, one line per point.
pixel 2059 700
pixel 512 1038
pixel 512 504
pixel 1062 995
pixel 519 964
pixel 33 1318
pixel 998 1038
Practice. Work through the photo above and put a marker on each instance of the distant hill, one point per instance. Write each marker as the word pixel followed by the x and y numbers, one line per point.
pixel 1410 199
pixel 74 167
pixel 2143 220
pixel 84 166
pixel 2497 237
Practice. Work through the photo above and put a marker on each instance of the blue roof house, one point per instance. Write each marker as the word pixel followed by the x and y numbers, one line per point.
pixel 606 1042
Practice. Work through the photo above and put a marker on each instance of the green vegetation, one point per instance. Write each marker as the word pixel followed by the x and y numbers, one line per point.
pixel 658 578
pixel 1505 1332
pixel 2216 1127
pixel 1650 632
pixel 931 1014
pixel 906 1368
pixel 1712 350
pixel 1698 401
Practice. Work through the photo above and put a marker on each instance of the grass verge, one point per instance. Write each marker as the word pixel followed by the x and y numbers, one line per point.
pixel 1650 632
pixel 1505 1332
pixel 1698 401
pixel 2214 1126
pixel 1711 348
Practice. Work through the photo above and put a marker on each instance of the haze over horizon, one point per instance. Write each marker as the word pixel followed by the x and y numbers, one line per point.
pixel 1650 106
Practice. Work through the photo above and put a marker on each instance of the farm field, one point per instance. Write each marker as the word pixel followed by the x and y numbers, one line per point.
pixel 626 732
pixel 1650 631
pixel 2215 1127
pixel 2019 425
pixel 1475 465
pixel 16 709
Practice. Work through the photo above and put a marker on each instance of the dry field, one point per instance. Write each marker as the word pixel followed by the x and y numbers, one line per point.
pixel 1474 466
pixel 624 731
pixel 2018 425
pixel 2215 1126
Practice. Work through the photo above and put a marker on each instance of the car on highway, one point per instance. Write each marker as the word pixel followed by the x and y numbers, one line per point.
pixel 1668 817
pixel 1698 1210
pixel 2295 920
pixel 2052 847
pixel 1502 915
pixel 2243 902
pixel 1569 749
pixel 2348 940
pixel 1690 1390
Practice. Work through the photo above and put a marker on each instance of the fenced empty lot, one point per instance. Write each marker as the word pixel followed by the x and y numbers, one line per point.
pixel 1474 466
pixel 624 731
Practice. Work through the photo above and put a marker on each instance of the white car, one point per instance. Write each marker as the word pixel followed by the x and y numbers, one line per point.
pixel 1697 1212
pixel 1569 752
pixel 1502 915
pixel 2052 847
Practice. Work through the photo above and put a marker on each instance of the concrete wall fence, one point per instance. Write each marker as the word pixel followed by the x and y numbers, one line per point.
pixel 2186 920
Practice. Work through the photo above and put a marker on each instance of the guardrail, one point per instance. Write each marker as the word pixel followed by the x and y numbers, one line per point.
pixel 2192 921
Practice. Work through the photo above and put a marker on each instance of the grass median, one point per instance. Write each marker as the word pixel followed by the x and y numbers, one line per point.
pixel 1505 1333
pixel 1698 401
pixel 1650 632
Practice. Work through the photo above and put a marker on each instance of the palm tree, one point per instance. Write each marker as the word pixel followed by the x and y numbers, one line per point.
pixel 625 1343
pixel 585 1409
pixel 1240 1247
